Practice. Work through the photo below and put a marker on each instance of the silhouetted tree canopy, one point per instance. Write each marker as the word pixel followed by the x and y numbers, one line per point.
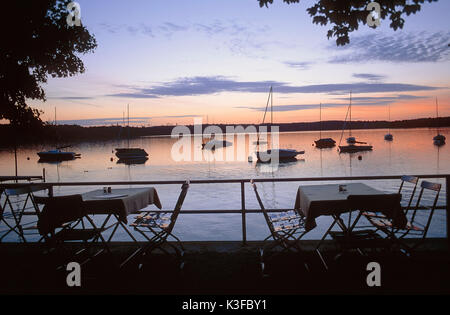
pixel 345 15
pixel 36 42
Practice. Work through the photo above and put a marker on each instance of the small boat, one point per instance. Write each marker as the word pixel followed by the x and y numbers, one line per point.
pixel 130 153
pixel 57 155
pixel 215 144
pixel 132 161
pixel 352 142
pixel 283 154
pixel 323 142
pixel 438 139
pixel 389 136
pixel 352 148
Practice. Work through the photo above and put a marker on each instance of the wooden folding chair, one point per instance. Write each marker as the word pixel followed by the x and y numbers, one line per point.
pixel 18 203
pixel 156 227
pixel 286 229
pixel 415 226
pixel 62 220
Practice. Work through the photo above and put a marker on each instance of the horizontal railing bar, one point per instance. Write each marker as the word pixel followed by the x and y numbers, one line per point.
pixel 227 211
pixel 7 178
pixel 230 181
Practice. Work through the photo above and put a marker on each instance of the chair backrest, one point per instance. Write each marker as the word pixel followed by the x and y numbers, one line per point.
pixel 178 205
pixel 413 180
pixel 25 189
pixel 433 188
pixel 28 190
pixel 59 210
pixel 263 209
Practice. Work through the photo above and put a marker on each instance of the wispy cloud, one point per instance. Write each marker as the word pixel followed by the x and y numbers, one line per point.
pixel 400 47
pixel 356 101
pixel 219 84
pixel 119 120
pixel 105 121
pixel 301 65
pixel 369 76
pixel 240 37
pixel 72 97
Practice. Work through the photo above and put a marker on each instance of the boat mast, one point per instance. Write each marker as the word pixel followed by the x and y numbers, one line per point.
pixel 128 127
pixel 320 115
pixel 350 108
pixel 271 108
pixel 437 116
pixel 389 111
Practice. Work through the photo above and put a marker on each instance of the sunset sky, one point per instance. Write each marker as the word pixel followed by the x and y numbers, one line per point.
pixel 173 60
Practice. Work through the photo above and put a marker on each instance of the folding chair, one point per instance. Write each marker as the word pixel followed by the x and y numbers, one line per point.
pixel 159 225
pixel 415 225
pixel 286 229
pixel 62 220
pixel 389 206
pixel 406 181
pixel 19 202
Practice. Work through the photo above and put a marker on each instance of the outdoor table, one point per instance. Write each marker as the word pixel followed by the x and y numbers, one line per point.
pixel 120 203
pixel 317 200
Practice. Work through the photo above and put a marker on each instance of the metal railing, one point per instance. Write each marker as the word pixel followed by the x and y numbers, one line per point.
pixel 243 211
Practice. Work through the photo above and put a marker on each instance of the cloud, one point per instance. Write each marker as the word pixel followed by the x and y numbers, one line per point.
pixel 289 108
pixel 380 100
pixel 132 95
pixel 73 98
pixel 241 38
pixel 369 76
pixel 301 65
pixel 105 121
pixel 218 84
pixel 356 101
pixel 400 47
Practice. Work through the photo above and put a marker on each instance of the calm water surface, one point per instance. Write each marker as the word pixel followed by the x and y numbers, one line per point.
pixel 411 152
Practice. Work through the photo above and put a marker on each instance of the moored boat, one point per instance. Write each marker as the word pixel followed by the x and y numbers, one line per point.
pixel 282 154
pixel 130 153
pixel 57 155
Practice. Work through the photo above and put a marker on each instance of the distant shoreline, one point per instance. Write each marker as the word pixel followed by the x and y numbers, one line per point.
pixel 75 133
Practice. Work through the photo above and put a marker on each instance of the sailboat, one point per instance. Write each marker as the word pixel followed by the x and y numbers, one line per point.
pixel 283 154
pixel 57 155
pixel 438 139
pixel 389 136
pixel 323 142
pixel 127 155
pixel 352 143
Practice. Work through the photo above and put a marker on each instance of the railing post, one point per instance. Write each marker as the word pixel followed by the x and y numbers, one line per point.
pixel 244 225
pixel 447 208
pixel 50 191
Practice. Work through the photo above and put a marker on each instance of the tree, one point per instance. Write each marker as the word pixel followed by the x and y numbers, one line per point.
pixel 345 16
pixel 36 41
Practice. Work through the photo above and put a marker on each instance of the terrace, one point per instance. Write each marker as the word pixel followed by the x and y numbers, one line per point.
pixel 224 267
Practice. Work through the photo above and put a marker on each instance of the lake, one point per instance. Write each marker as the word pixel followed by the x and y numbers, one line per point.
pixel 411 152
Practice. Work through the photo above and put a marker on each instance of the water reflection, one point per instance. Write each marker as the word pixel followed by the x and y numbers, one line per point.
pixel 412 152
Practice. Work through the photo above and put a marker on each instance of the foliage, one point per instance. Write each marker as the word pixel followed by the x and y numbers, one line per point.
pixel 345 16
pixel 36 42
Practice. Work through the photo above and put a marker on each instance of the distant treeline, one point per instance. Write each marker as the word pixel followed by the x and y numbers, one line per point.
pixel 73 133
